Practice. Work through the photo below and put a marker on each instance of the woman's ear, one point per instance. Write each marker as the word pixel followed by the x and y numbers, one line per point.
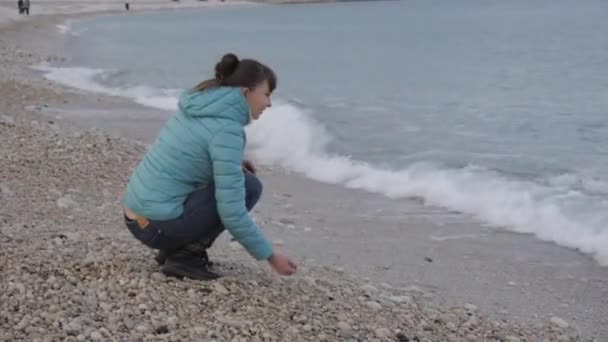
pixel 245 91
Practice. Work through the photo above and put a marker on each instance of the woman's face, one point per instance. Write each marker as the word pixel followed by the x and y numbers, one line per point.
pixel 258 99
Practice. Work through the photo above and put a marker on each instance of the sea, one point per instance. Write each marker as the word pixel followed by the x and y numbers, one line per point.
pixel 494 109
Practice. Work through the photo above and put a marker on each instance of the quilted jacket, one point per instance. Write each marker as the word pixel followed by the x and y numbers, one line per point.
pixel 202 144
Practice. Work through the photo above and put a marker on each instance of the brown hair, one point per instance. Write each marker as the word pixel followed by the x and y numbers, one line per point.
pixel 232 72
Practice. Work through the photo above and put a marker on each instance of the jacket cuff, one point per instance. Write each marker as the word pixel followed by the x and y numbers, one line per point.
pixel 263 252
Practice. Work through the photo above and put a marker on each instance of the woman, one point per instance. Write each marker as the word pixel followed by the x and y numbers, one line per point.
pixel 193 183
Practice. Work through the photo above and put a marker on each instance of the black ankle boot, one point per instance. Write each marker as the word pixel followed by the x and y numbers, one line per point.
pixel 162 255
pixel 187 262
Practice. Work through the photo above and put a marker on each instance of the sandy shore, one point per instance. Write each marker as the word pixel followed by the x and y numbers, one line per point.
pixel 70 270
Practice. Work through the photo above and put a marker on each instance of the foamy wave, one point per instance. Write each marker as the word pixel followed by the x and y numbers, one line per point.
pixel 84 78
pixel 562 214
pixel 67 29
pixel 63 29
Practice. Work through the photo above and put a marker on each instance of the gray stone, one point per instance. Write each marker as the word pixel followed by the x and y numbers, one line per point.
pixel 382 333
pixel 96 336
pixel 345 329
pixel 369 288
pixel 512 339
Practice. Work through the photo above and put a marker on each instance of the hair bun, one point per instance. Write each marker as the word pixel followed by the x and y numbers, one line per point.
pixel 226 66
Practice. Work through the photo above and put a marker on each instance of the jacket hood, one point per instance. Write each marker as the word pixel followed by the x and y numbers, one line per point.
pixel 221 102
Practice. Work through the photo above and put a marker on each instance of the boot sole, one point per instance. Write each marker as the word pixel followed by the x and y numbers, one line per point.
pixel 177 272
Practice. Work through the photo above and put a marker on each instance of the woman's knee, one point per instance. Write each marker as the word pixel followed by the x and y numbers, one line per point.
pixel 253 190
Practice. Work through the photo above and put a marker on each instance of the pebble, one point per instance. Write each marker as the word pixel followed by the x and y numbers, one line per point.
pixel 451 326
pixel 559 322
pixel 172 321
pixel 4 190
pixel 219 288
pixel 470 307
pixel 96 336
pixel 310 281
pixel 369 288
pixel 374 305
pixel 382 333
pixel 512 339
pixel 74 326
pixel 400 299
pixel 142 328
pixel 345 329
pixel 67 202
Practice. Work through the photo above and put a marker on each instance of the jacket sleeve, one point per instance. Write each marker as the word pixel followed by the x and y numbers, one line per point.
pixel 226 153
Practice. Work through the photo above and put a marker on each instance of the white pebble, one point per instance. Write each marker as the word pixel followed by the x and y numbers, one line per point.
pixel 310 281
pixel 382 333
pixel 470 307
pixel 451 326
pixel 66 202
pixel 374 305
pixel 559 322
pixel 142 328
pixel 345 329
pixel 172 321
pixel 219 288
pixel 369 288
pixel 5 190
pixel 96 336
pixel 400 299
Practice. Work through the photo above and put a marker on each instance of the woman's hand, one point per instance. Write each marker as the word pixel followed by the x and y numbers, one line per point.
pixel 248 166
pixel 283 265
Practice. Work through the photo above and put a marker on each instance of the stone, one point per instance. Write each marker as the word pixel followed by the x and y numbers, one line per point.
pixel 310 281
pixel 96 336
pixel 345 329
pixel 369 288
pixel 66 202
pixel 4 190
pixel 373 305
pixel 451 326
pixel 382 333
pixel 512 339
pixel 74 326
pixel 219 288
pixel 470 307
pixel 400 299
pixel 172 321
pixel 559 322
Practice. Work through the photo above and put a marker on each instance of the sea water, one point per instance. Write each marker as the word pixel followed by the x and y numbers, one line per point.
pixel 496 109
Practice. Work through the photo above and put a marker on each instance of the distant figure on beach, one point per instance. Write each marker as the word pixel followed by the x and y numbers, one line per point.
pixel 20 6
pixel 26 7
pixel 127 5
pixel 193 182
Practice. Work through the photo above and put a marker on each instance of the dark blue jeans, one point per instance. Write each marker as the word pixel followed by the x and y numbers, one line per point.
pixel 200 221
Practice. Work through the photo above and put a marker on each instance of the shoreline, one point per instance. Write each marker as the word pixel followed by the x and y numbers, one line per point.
pixel 291 207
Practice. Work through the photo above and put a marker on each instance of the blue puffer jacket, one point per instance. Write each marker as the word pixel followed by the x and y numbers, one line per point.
pixel 203 143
